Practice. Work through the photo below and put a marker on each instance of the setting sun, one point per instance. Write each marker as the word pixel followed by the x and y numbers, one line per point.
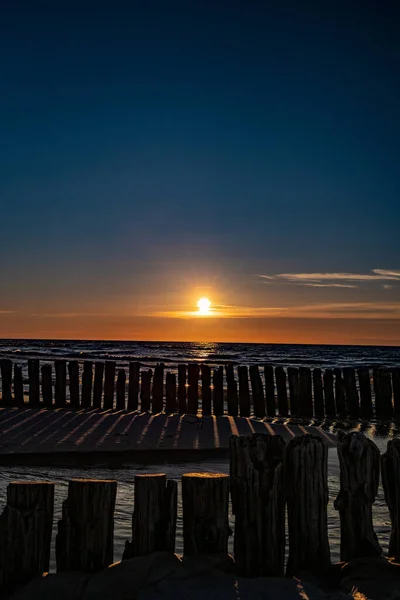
pixel 204 306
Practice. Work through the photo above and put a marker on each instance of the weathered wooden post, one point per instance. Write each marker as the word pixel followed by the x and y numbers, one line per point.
pixel 340 399
pixel 60 390
pixel 391 487
pixel 244 392
pixel 158 389
pixel 269 390
pixel 257 391
pixel 366 409
pixel 193 389
pixel 145 390
pixel 133 388
pixel 383 394
pixel 34 382
pixel 318 393
pixel 6 381
pixel 232 393
pixel 121 381
pixel 18 386
pixel 258 503
pixel 205 513
pixel 359 460
pixel 307 498
pixel 281 390
pixel 396 391
pixel 330 408
pixel 293 379
pixel 73 372
pixel 87 384
pixel 350 388
pixel 109 384
pixel 218 391
pixel 154 517
pixel 171 405
pixel 206 404
pixel 85 535
pixel 182 407
pixel 98 384
pixel 305 392
pixel 47 385
pixel 25 532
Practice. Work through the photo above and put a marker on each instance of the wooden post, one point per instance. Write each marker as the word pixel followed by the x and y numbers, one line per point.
pixel 25 532
pixel 359 460
pixel 206 390
pixel 205 513
pixel 258 503
pixel 182 407
pixel 171 405
pixel 293 379
pixel 339 393
pixel 396 391
pixel 47 386
pixel 85 538
pixel 257 392
pixel 60 391
pixel 6 381
pixel 391 487
pixel 145 387
pixel 109 384
pixel 244 392
pixel 87 384
pixel 281 389
pixel 330 408
pixel 193 389
pixel 307 499
pixel 232 393
pixel 318 393
pixel 158 389
pixel 34 382
pixel 73 372
pixel 305 392
pixel 154 517
pixel 350 388
pixel 366 410
pixel 121 381
pixel 269 390
pixel 98 384
pixel 383 394
pixel 133 389
pixel 218 391
pixel 18 386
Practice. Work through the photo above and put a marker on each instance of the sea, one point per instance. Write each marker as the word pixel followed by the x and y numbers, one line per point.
pixel 171 354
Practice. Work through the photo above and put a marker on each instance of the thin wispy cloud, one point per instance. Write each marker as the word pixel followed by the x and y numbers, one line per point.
pixel 331 279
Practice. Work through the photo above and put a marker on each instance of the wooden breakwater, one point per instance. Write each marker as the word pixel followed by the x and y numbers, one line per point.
pixel 265 391
pixel 268 480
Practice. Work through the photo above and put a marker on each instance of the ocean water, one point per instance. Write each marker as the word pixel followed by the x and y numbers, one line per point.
pixel 149 353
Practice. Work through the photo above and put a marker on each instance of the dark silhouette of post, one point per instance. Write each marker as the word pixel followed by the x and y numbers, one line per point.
pixel 87 384
pixel 133 388
pixel 18 386
pixel 182 407
pixel 218 391
pixel 329 396
pixel 366 409
pixel 281 389
pixel 206 407
pixel 257 392
pixel 109 384
pixel 231 392
pixel 171 405
pixel 244 392
pixel 193 389
pixel 47 385
pixel 60 392
pixel 34 382
pixel 121 384
pixel 98 384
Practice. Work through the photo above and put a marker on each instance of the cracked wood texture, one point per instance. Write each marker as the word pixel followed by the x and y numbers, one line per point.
pixel 85 539
pixel 154 516
pixel 258 503
pixel 306 469
pixel 359 460
pixel 25 532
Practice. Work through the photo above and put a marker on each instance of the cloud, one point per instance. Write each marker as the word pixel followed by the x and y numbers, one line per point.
pixel 8 312
pixel 387 287
pixel 330 279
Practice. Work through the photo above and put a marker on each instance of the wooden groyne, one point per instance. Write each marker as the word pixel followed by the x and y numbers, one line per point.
pixel 268 480
pixel 199 389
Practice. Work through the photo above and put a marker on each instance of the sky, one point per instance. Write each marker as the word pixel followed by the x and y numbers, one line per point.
pixel 153 153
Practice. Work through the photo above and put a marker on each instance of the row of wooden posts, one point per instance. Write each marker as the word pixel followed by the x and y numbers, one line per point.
pixel 300 392
pixel 266 475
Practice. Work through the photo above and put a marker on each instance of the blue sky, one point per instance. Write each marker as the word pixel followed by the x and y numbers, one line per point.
pixel 153 151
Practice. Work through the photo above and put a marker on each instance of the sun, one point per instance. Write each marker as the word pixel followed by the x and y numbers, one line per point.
pixel 204 306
